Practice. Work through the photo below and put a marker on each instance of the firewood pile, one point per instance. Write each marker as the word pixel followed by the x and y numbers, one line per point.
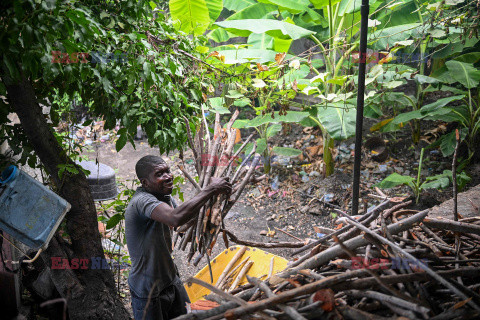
pixel 214 157
pixel 390 263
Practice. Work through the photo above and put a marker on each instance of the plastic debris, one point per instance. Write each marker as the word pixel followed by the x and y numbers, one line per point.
pixel 274 185
pixel 328 197
pixel 382 168
pixel 272 193
pixel 314 174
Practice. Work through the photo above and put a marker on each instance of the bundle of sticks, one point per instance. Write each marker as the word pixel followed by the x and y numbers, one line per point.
pixel 214 157
pixel 391 262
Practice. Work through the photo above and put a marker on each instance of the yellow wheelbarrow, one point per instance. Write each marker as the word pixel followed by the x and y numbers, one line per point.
pixel 260 268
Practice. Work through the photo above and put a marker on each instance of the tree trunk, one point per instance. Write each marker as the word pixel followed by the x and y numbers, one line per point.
pixel 90 293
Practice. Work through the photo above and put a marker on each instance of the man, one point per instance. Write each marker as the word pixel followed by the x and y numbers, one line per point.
pixel 148 217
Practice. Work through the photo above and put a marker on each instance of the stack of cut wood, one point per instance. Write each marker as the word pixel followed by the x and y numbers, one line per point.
pixel 391 263
pixel 214 157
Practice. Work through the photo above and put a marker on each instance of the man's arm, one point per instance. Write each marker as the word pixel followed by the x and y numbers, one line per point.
pixel 176 217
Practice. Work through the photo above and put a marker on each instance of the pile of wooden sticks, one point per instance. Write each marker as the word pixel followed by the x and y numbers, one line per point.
pixel 214 157
pixel 392 262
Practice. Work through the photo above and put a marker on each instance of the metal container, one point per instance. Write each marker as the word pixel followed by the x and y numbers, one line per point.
pixel 29 211
pixel 101 180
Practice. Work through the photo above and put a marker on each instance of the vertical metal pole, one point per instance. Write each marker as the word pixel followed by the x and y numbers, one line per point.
pixel 361 92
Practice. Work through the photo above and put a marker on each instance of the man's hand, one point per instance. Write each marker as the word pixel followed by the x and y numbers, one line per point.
pixel 181 214
pixel 220 185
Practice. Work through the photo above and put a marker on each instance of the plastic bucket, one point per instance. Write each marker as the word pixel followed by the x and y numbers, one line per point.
pixel 29 211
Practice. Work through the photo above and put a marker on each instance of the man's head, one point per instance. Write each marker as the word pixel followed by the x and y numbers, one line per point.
pixel 154 174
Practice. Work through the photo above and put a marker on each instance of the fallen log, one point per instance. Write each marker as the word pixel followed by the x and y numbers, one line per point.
pixel 354 243
pixel 451 225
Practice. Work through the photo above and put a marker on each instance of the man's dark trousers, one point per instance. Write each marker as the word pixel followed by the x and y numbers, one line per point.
pixel 169 304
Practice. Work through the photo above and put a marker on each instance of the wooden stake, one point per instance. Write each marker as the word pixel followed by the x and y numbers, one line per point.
pixel 229 266
pixel 240 275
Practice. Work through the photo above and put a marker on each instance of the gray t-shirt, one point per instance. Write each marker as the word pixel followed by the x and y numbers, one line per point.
pixel 149 244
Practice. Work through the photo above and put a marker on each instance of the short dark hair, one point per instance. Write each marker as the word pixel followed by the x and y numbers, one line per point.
pixel 145 165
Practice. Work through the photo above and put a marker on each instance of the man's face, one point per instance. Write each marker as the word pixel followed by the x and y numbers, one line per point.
pixel 160 180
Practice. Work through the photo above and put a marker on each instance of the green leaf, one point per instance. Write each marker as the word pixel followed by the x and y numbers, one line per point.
pixel 241 123
pixel 256 11
pixel 217 105
pixel 319 4
pixel 281 45
pixel 439 181
pixel 407 116
pixel 338 80
pixel 234 94
pixel 420 78
pixel 71 169
pixel 113 221
pixel 202 49
pixel 292 6
pixel 439 104
pixel 190 16
pixel 452 90
pixel 216 102
pixel 220 35
pixel 455 47
pixel 427 110
pixel 349 6
pixel 388 36
pixel 122 140
pixel 273 130
pixel 260 41
pixel 291 116
pixel 394 180
pixel 214 8
pixel 437 33
pixel 464 73
pixel 242 102
pixel 289 152
pixel 459 114
pixel 274 28
pixel 261 146
pixel 448 143
pixel 393 84
pixel 338 121
pixel 462 180
pixel 111 24
pixel 471 57
pixel 237 5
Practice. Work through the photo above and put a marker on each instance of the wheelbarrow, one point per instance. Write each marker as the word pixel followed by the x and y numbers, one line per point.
pixel 259 269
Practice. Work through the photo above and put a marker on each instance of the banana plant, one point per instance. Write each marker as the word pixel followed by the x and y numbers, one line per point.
pixel 194 16
pixel 337 122
pixel 439 181
pixel 460 70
